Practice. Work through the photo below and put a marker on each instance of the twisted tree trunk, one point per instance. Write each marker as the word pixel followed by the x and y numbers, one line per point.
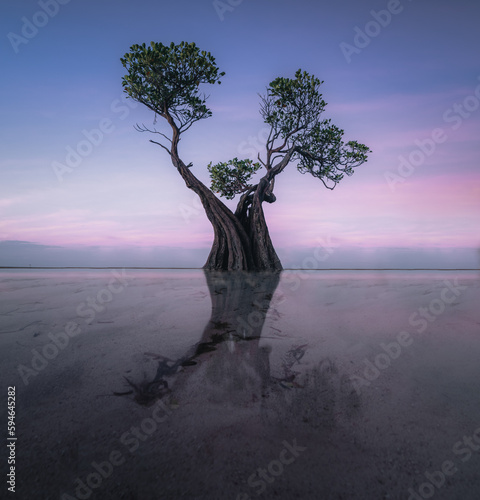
pixel 264 256
pixel 241 239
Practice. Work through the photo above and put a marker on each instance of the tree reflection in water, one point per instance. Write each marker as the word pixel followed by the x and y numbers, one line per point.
pixel 229 367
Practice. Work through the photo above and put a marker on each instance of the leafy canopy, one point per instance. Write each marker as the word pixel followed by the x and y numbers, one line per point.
pixel 166 79
pixel 231 178
pixel 293 108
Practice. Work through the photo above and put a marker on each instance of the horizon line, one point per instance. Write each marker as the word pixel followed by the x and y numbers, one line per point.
pixel 285 269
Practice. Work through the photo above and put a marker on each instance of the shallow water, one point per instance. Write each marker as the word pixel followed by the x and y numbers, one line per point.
pixel 185 384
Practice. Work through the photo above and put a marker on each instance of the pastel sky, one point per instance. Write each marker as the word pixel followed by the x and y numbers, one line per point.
pixel 402 76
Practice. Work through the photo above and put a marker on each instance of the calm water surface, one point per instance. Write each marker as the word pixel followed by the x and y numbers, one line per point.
pixel 185 384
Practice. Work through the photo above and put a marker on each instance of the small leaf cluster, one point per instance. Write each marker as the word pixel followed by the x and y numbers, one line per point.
pixel 231 178
pixel 292 105
pixel 326 156
pixel 166 78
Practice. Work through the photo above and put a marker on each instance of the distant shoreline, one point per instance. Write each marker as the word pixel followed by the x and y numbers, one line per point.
pixel 286 269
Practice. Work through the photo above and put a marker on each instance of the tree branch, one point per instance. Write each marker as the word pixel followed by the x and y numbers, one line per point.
pixel 162 146
pixel 154 131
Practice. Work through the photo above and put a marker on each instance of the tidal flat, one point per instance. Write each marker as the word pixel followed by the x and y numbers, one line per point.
pixel 165 384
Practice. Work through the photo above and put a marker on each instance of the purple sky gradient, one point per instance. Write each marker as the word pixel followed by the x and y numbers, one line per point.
pixel 414 87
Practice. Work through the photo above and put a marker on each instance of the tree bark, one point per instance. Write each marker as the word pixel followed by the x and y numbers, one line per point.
pixel 264 256
pixel 241 240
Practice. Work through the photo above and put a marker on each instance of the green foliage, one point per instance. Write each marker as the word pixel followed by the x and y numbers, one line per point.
pixel 232 177
pixel 292 106
pixel 293 109
pixel 166 78
pixel 326 156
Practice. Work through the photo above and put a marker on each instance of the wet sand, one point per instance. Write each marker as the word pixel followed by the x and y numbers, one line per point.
pixel 173 384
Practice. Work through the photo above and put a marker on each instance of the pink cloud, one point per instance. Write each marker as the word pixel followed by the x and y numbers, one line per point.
pixel 441 211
